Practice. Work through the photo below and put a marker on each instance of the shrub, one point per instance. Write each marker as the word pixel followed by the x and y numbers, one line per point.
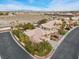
pixel 41 49
pixel 42 21
pixel 62 28
pixel 25 26
pixel 22 37
pixel 28 26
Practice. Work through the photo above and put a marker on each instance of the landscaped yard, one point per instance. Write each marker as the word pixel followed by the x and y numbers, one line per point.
pixel 39 49
pixel 29 35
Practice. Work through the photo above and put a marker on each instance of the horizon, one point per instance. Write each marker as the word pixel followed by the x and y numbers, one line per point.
pixel 39 5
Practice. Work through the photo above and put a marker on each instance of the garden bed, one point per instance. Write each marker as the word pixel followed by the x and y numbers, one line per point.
pixel 40 49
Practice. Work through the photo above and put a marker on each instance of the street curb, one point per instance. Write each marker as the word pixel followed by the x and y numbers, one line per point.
pixel 3 30
pixel 67 34
pixel 62 39
pixel 19 44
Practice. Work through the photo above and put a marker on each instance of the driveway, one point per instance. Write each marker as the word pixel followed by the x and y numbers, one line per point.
pixel 9 49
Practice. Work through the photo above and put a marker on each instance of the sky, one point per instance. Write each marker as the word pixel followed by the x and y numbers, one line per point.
pixel 39 5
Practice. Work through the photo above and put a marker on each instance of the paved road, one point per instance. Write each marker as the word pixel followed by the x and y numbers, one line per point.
pixel 69 48
pixel 9 49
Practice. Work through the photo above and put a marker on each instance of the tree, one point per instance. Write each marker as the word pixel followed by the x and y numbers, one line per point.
pixel 28 26
pixel 70 18
pixel 1 13
pixel 42 21
pixel 6 13
pixel 62 28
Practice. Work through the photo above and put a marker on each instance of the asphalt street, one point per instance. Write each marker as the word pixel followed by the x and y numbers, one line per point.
pixel 9 49
pixel 69 48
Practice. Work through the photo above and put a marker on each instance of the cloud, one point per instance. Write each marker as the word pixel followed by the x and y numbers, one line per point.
pixel 15 5
pixel 9 7
pixel 64 5
pixel 54 5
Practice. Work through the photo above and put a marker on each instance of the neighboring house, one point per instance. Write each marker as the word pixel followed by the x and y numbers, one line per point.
pixel 53 25
pixel 44 32
pixel 36 35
